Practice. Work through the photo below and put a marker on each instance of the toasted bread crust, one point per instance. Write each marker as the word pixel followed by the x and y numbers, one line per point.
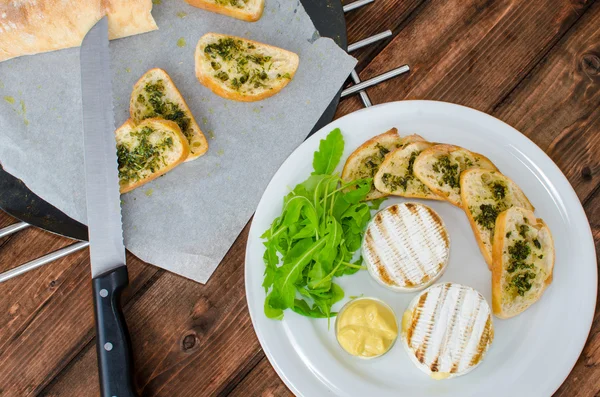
pixel 498 261
pixel 354 159
pixel 487 253
pixel 198 137
pixel 445 150
pixel 396 160
pixel 223 90
pixel 497 248
pixel 129 124
pixel 241 14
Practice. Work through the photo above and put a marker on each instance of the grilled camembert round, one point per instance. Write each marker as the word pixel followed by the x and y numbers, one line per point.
pixel 406 247
pixel 447 329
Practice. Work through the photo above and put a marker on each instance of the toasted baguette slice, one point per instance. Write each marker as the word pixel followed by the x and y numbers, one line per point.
pixel 243 70
pixel 148 150
pixel 156 96
pixel 485 194
pixel 523 261
pixel 439 168
pixel 246 10
pixel 364 162
pixel 396 177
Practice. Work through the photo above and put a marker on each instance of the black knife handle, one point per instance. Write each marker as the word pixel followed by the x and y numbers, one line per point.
pixel 115 364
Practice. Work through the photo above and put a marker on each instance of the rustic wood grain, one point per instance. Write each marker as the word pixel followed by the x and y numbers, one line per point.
pixel 375 18
pixel 263 381
pixel 558 104
pixel 186 337
pixel 533 63
pixel 584 380
pixel 46 313
pixel 471 52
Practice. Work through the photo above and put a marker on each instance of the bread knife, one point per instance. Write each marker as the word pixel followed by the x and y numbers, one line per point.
pixel 107 251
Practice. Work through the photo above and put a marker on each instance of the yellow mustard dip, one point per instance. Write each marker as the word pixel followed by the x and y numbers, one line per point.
pixel 366 327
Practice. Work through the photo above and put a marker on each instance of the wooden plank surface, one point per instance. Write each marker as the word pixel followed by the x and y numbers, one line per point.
pixel 532 63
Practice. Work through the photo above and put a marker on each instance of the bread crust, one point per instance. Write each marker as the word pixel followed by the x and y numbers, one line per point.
pixel 498 265
pixel 59 24
pixel 440 150
pixel 224 91
pixel 198 134
pixel 351 161
pixel 386 165
pixel 487 254
pixel 171 125
pixel 230 12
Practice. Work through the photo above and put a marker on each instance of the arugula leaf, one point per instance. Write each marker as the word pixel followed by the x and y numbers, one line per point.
pixel 329 154
pixel 363 187
pixel 315 237
pixel 293 264
pixel 301 307
pixel 376 203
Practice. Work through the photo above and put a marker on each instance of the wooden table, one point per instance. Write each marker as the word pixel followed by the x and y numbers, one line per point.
pixel 532 63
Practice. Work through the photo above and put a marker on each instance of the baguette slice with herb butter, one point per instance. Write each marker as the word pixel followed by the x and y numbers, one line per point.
pixel 439 168
pixel 396 176
pixel 523 261
pixel 246 10
pixel 364 162
pixel 485 194
pixel 243 70
pixel 155 95
pixel 148 150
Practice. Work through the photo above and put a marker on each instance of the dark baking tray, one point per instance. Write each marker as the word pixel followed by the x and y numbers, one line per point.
pixel 20 202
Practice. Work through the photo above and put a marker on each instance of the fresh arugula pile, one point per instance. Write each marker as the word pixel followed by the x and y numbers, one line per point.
pixel 315 237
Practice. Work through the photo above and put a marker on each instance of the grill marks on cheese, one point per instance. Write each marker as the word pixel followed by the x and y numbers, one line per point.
pixel 448 329
pixel 406 245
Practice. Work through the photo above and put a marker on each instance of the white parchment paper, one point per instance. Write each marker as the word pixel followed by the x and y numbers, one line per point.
pixel 185 221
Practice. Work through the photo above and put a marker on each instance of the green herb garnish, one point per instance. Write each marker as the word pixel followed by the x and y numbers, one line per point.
pixel 498 190
pixel 314 239
pixel 523 230
pixel 162 107
pixel 242 69
pixel 393 182
pixel 145 157
pixel 522 282
pixel 232 3
pixel 448 170
pixel 487 216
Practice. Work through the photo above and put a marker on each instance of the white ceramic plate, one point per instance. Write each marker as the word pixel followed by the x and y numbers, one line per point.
pixel 531 354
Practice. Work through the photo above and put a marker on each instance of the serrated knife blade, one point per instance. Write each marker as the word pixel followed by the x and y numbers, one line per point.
pixel 107 252
pixel 101 175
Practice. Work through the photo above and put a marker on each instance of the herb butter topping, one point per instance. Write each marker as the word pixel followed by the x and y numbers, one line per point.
pixel 241 65
pixel 232 3
pixel 139 156
pixel 157 105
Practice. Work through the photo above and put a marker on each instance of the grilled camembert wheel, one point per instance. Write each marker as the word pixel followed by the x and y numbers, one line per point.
pixel 447 329
pixel 406 247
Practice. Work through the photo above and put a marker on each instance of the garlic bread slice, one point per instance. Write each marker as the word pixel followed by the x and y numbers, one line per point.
pixel 439 168
pixel 243 70
pixel 523 261
pixel 156 96
pixel 396 177
pixel 245 10
pixel 364 162
pixel 148 150
pixel 485 194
